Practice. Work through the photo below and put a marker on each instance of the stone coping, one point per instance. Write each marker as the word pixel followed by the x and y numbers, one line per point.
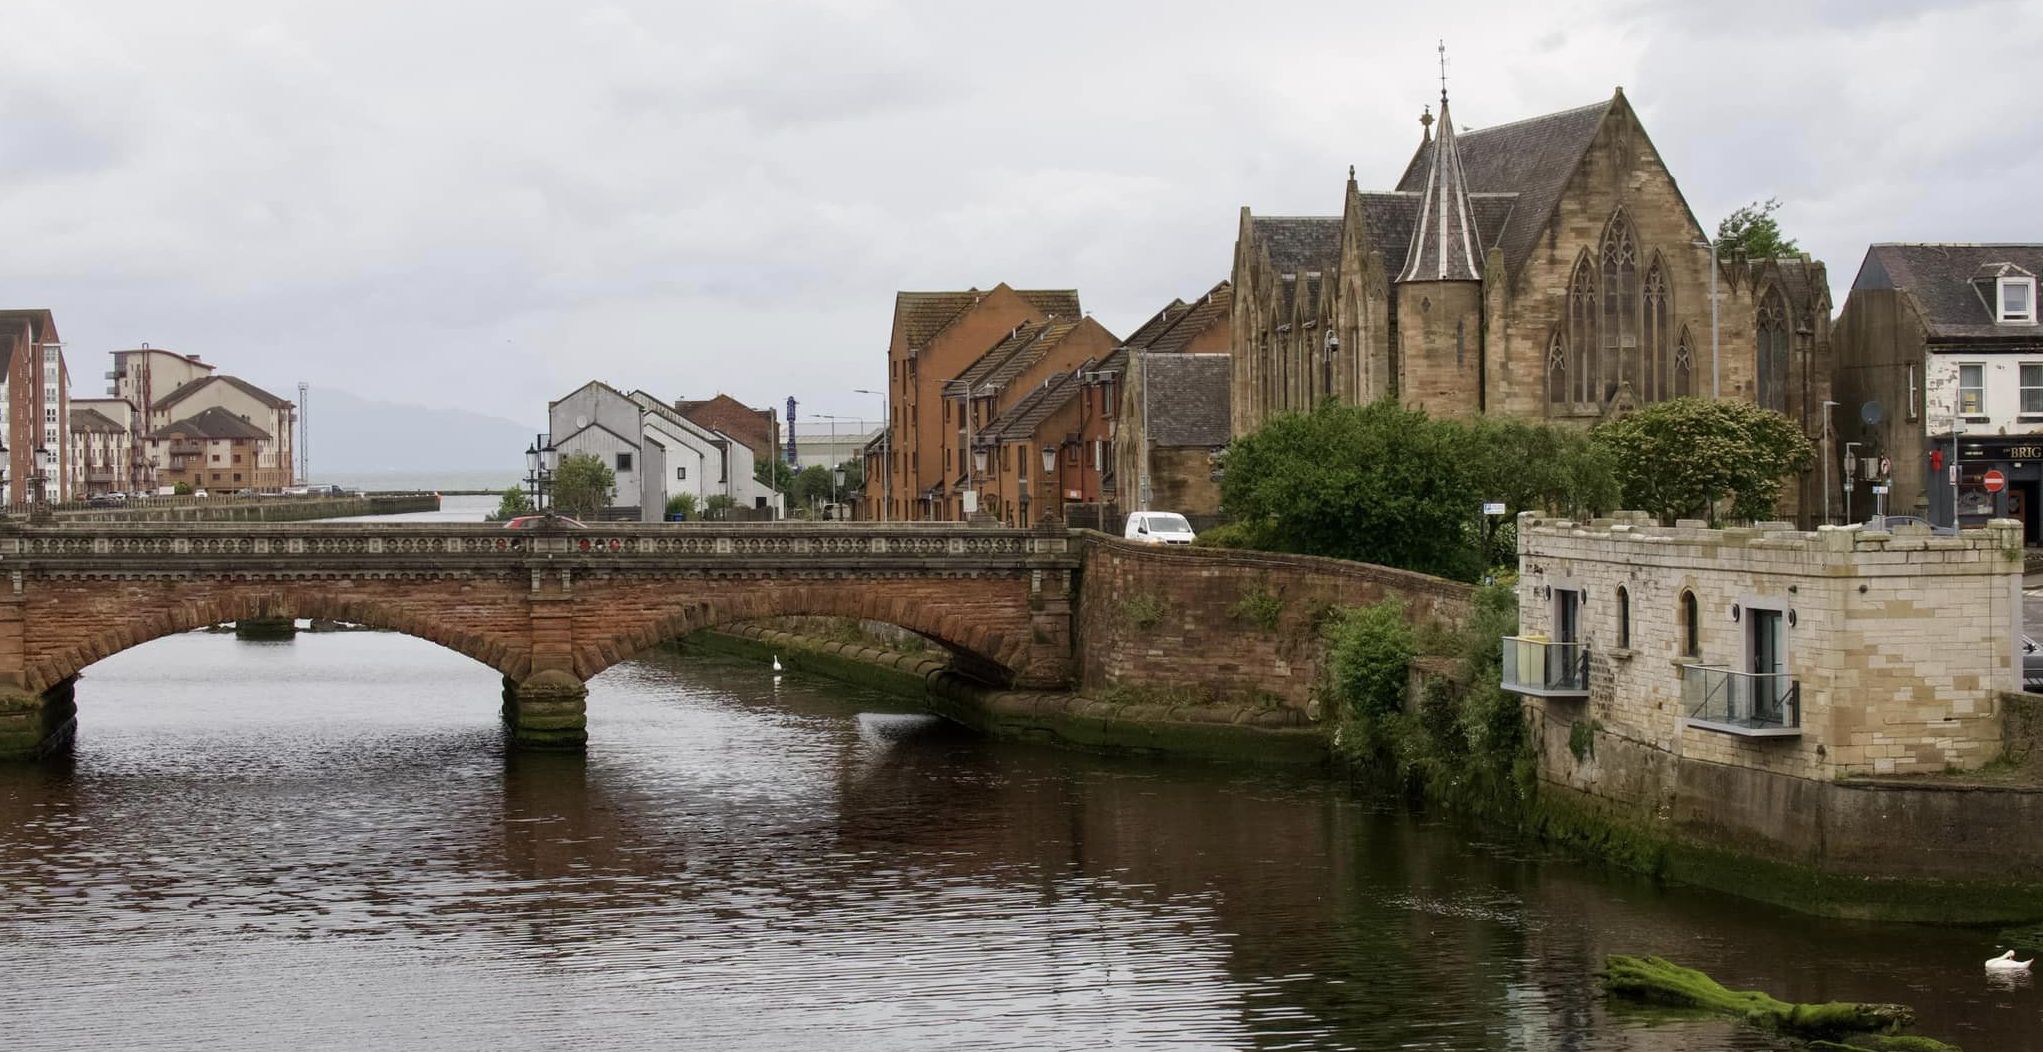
pixel 1248 558
pixel 2002 536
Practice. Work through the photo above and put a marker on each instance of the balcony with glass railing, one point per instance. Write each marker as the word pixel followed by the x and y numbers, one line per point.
pixel 1543 668
pixel 1753 704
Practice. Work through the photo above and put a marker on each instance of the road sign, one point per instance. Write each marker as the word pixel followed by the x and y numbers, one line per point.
pixel 1954 474
pixel 1493 507
pixel 1995 481
pixel 1879 490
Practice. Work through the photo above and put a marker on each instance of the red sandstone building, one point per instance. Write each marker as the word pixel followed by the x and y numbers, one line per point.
pixel 35 402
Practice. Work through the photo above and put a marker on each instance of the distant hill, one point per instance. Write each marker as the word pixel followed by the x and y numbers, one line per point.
pixel 353 435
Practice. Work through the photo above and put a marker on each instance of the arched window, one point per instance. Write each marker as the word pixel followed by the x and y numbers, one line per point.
pixel 1773 351
pixel 1691 626
pixel 1557 368
pixel 1684 366
pixel 1620 329
pixel 1624 618
pixel 1654 353
pixel 1582 384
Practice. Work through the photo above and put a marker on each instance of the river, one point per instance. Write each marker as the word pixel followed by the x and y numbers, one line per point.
pixel 323 844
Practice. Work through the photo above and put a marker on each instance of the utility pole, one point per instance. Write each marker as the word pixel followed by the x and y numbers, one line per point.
pixel 1142 495
pixel 886 454
pixel 1828 405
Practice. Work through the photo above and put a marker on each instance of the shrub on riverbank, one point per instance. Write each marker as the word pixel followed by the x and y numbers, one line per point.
pixel 1462 741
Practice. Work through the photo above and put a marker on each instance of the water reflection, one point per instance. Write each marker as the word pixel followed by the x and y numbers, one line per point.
pixel 324 843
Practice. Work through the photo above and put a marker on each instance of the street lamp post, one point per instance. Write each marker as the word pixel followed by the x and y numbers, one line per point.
pixel 44 461
pixel 1056 489
pixel 886 454
pixel 1716 357
pixel 540 458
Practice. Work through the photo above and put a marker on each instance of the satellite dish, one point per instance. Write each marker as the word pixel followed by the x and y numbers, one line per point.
pixel 581 422
pixel 1871 413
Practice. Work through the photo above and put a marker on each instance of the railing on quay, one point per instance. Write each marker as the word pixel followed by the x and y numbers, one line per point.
pixel 1756 704
pixel 1541 667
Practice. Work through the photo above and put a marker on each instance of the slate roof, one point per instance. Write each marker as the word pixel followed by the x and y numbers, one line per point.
pixel 1021 420
pixel 1176 326
pixel 92 420
pixel 1014 343
pixel 924 314
pixel 186 390
pixel 1947 282
pixel 726 415
pixel 1189 399
pixel 1388 221
pixel 215 422
pixel 1444 245
pixel 1297 244
pixel 1533 158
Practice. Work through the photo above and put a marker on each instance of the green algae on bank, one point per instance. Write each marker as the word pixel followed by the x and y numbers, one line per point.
pixel 1836 1025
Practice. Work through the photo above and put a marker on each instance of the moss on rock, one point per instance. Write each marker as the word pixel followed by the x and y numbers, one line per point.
pixel 1834 1024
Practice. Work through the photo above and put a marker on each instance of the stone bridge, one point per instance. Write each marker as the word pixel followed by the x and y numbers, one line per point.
pixel 546 609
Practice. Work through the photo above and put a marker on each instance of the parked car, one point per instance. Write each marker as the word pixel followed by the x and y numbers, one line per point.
pixel 534 522
pixel 201 494
pixel 1158 527
pixel 1888 522
pixel 2032 664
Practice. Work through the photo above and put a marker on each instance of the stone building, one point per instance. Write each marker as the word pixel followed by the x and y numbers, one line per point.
pixel 1806 655
pixel 1547 268
pixel 276 418
pixel 101 449
pixel 1940 365
pixel 1203 327
pixel 937 337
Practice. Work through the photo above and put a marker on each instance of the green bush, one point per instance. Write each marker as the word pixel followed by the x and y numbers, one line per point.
pixel 1369 658
pixel 1259 607
pixel 1143 610
pixel 181 489
pixel 512 504
pixel 682 504
pixel 1232 535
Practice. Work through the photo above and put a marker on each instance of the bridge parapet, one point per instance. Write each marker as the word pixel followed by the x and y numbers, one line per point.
pixel 707 546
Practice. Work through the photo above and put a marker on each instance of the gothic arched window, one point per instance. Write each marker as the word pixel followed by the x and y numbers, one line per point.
pixel 1557 368
pixel 1684 366
pixel 1773 352
pixel 1582 380
pixel 1620 329
pixel 1653 336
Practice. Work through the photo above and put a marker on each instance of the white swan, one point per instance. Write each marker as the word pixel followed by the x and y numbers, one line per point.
pixel 776 662
pixel 2006 963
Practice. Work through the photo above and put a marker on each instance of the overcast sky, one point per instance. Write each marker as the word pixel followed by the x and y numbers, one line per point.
pixel 487 204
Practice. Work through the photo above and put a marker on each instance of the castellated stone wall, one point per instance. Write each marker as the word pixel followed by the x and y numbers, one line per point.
pixel 1902 644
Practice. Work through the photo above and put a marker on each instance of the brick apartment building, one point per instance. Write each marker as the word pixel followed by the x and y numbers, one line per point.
pixel 35 401
pixel 215 450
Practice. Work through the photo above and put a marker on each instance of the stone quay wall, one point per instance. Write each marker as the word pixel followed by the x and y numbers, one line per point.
pixel 1224 623
pixel 253 509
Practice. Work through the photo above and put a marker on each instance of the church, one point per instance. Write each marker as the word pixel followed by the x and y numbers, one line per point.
pixel 1548 268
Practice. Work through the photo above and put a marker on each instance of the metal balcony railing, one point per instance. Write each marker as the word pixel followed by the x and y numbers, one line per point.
pixel 1543 668
pixel 1756 704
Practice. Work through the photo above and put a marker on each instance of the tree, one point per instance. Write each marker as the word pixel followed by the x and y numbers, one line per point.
pixel 1752 232
pixel 773 472
pixel 1681 458
pixel 1534 467
pixel 1378 483
pixel 854 477
pixel 718 505
pixel 513 504
pixel 583 485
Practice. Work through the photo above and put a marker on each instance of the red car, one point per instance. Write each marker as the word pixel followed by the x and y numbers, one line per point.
pixel 536 522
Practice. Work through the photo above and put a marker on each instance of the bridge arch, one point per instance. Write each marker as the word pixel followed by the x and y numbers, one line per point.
pixel 142 622
pixel 984 619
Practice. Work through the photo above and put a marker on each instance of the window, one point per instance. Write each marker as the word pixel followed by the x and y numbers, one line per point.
pixel 1773 352
pixel 2032 388
pixel 1071 455
pixel 1972 390
pixel 681 474
pixel 1684 366
pixel 1624 618
pixel 2018 300
pixel 1654 353
pixel 1914 395
pixel 1620 329
pixel 216 459
pixel 1691 626
pixel 624 462
pixel 237 476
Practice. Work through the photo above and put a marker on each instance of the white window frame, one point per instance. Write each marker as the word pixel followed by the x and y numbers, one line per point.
pixel 1914 395
pixel 2028 285
pixel 1978 408
pixel 2022 379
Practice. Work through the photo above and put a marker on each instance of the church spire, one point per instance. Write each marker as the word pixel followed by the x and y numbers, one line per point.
pixel 1444 240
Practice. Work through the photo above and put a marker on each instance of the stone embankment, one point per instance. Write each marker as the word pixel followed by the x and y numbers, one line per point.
pixel 1182 726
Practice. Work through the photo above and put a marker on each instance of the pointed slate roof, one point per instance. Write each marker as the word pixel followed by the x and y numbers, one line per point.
pixel 1533 158
pixel 1444 244
pixel 215 422
pixel 1176 326
pixel 924 314
pixel 1952 284
pixel 1020 421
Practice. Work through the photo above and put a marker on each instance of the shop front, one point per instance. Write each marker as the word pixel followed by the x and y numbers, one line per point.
pixel 1997 477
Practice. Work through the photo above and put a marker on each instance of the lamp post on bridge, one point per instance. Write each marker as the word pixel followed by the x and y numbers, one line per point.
pixel 540 459
pixel 1050 516
pixel 45 460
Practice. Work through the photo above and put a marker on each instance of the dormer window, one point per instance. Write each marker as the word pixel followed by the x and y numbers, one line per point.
pixel 2017 301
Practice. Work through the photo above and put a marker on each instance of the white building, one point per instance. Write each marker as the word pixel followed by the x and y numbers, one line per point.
pixel 654 451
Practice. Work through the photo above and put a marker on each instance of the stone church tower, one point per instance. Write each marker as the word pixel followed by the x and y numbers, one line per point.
pixel 1547 268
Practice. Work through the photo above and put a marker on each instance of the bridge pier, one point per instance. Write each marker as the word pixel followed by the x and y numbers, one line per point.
pixel 266 629
pixel 35 725
pixel 549 710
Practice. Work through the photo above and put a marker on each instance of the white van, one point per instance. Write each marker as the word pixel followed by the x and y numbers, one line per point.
pixel 1158 527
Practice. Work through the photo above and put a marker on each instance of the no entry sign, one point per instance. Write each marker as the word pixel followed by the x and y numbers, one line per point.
pixel 1995 481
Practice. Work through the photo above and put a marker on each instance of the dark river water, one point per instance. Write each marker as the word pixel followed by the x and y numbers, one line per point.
pixel 323 844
